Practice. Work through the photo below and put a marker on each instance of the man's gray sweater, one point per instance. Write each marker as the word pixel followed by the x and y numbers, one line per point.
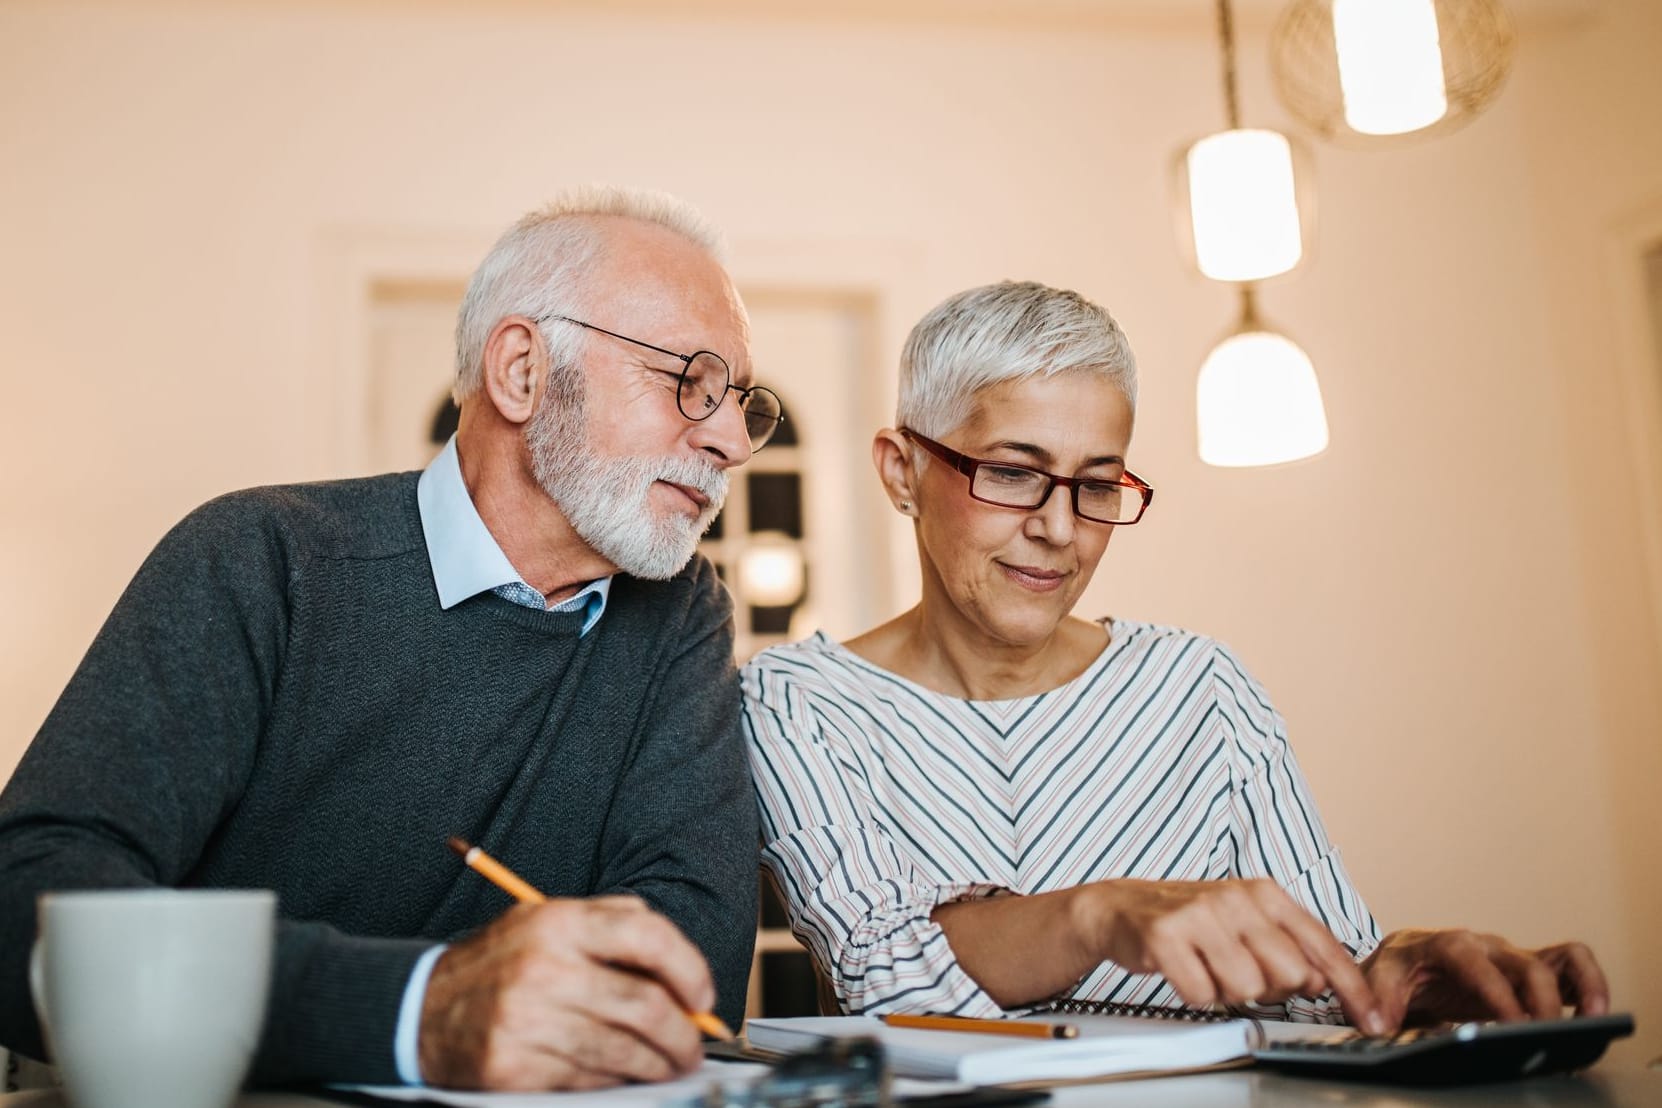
pixel 278 701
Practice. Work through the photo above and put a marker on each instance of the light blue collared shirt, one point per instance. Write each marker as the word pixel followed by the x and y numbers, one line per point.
pixel 466 561
pixel 465 557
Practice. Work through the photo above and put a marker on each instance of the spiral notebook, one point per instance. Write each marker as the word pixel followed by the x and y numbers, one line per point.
pixel 1107 1045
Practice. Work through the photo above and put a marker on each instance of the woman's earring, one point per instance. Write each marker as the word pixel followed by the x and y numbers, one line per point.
pixel 905 505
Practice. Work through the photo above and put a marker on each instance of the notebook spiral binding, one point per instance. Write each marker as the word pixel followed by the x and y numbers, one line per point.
pixel 1256 1036
pixel 1073 1007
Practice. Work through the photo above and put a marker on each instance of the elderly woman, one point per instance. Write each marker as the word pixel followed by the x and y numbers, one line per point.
pixel 987 804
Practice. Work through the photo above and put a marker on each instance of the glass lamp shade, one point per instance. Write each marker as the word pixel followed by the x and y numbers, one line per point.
pixel 1390 65
pixel 1257 401
pixel 1372 72
pixel 1243 205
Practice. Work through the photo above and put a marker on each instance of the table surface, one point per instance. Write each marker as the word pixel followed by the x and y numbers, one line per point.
pixel 1238 1089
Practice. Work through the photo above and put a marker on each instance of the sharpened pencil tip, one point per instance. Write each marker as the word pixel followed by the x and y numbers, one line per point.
pixel 711 1025
pixel 460 846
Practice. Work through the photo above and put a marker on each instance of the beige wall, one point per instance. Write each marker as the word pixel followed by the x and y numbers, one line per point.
pixel 1453 607
pixel 1598 189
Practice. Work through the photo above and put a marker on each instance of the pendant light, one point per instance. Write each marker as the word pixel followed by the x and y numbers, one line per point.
pixel 1371 72
pixel 1240 188
pixel 1257 401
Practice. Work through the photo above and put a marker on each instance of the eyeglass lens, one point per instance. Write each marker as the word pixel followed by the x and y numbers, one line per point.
pixel 762 413
pixel 704 386
pixel 1016 487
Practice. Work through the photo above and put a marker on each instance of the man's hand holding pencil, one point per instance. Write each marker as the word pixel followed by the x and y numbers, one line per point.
pixel 566 994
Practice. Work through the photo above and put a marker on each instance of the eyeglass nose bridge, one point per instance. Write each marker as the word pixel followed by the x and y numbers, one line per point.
pixel 1070 487
pixel 1073 485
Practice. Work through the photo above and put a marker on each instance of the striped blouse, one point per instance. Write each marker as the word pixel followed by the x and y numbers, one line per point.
pixel 881 799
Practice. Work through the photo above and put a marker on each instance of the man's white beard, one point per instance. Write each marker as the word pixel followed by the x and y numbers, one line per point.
pixel 607 500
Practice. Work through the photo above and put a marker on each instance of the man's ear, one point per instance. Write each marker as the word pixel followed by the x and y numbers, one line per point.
pixel 515 367
pixel 892 455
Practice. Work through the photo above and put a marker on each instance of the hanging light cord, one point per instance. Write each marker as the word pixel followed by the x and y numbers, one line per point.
pixel 1249 309
pixel 1231 98
pixel 1232 109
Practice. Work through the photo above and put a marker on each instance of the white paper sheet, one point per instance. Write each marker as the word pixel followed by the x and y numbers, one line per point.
pixel 730 1075
pixel 691 1087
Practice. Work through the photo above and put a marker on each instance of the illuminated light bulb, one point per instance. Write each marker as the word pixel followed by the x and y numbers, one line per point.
pixel 1390 65
pixel 1257 401
pixel 771 573
pixel 1243 205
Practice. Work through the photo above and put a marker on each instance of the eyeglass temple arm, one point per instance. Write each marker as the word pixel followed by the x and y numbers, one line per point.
pixel 684 359
pixel 962 463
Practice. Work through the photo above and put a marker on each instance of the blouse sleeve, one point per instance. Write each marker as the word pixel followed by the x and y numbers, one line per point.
pixel 855 899
pixel 1276 830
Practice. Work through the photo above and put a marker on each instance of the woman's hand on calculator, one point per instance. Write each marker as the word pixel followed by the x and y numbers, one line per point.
pixel 1429 976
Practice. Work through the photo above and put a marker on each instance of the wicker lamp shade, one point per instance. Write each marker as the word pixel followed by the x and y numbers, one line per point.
pixel 1475 38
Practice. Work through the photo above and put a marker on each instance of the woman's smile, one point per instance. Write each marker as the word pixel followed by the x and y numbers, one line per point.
pixel 1034 578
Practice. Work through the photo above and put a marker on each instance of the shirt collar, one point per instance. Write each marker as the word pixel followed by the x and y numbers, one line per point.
pixel 465 557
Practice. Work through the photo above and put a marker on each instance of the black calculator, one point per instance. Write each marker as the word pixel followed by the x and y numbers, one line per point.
pixel 1463 1054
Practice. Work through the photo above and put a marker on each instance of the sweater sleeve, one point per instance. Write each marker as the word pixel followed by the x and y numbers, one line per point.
pixel 148 751
pixel 855 899
pixel 1277 832
pixel 681 831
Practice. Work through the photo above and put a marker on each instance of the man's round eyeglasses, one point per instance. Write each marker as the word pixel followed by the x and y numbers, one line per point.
pixel 705 383
pixel 1009 485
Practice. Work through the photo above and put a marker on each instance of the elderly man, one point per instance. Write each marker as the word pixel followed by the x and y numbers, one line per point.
pixel 308 688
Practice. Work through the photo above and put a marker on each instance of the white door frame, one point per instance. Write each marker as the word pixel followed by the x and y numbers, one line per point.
pixel 1628 245
pixel 351 262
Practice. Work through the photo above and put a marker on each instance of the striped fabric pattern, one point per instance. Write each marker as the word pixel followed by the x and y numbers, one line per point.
pixel 881 799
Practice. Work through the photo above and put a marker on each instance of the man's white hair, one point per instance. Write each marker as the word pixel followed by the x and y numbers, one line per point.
pixel 1004 332
pixel 537 269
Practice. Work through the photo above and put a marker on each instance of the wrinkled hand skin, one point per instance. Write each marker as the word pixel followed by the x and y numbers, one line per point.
pixel 1230 942
pixel 1429 976
pixel 570 994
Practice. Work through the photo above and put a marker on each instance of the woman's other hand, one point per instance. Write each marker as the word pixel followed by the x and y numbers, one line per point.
pixel 1426 976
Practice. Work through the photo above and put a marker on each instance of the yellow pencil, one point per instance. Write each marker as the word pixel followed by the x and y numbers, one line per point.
pixel 1026 1029
pixel 496 873
pixel 517 887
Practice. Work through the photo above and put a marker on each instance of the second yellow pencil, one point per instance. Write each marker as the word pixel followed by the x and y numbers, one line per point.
pixel 1026 1029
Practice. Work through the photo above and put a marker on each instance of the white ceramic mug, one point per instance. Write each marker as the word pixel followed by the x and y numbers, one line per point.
pixel 153 998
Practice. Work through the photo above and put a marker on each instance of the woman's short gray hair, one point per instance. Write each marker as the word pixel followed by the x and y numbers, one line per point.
pixel 1004 332
pixel 536 269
